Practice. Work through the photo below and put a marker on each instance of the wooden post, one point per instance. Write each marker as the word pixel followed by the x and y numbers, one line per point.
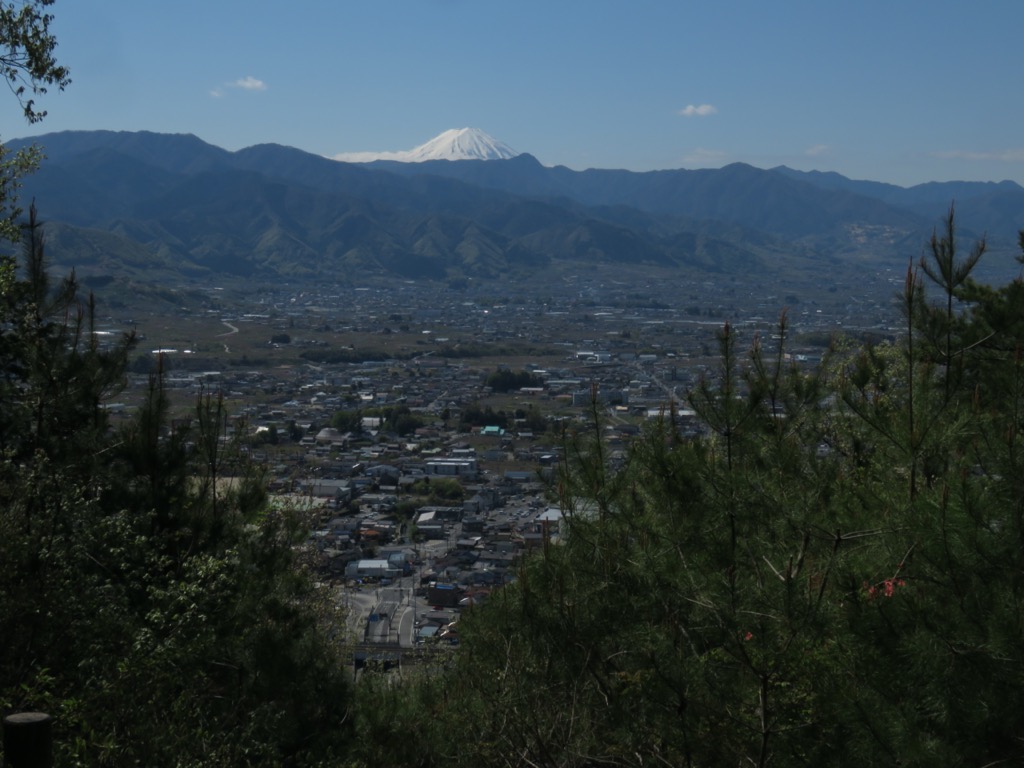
pixel 28 740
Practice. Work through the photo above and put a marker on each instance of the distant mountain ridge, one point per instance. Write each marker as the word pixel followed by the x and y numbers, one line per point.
pixel 280 213
pixel 996 208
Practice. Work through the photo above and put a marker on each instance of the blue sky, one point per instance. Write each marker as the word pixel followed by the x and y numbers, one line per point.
pixel 903 91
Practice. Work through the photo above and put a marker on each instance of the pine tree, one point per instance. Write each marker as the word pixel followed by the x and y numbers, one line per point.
pixel 829 575
pixel 150 599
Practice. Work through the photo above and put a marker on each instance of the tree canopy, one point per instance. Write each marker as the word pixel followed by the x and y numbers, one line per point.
pixel 28 54
pixel 29 66
pixel 830 574
pixel 151 598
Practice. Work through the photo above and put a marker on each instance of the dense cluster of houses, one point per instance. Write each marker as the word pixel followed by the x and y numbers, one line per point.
pixel 627 363
pixel 361 482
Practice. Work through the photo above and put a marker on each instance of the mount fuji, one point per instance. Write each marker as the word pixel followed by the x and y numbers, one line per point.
pixel 454 144
pixel 170 206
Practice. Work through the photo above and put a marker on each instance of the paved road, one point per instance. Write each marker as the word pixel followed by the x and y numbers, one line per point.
pixel 233 330
pixel 383 615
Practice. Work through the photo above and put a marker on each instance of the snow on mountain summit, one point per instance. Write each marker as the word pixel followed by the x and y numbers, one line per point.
pixel 462 144
pixel 454 144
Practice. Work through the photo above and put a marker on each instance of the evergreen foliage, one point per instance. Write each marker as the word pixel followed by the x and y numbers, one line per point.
pixel 829 575
pixel 396 419
pixel 150 598
pixel 438 490
pixel 472 415
pixel 506 380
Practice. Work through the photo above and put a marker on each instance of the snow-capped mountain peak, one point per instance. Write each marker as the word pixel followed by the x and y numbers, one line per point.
pixel 454 144
pixel 462 144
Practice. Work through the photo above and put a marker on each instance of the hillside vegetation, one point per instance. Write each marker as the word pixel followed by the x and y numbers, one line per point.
pixel 196 212
pixel 831 575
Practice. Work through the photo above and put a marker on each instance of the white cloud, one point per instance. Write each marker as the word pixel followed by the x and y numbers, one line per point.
pixel 1002 156
pixel 249 83
pixel 817 150
pixel 369 157
pixel 701 110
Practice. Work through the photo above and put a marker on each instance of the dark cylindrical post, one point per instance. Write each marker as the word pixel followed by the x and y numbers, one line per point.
pixel 28 740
